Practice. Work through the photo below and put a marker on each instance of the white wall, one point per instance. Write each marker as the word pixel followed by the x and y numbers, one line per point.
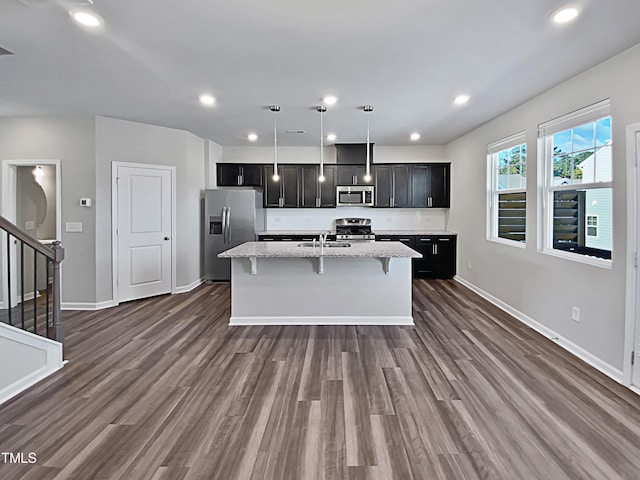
pixel 322 219
pixel 72 141
pixel 542 286
pixel 124 141
pixel 381 154
pixel 213 155
pixel 26 359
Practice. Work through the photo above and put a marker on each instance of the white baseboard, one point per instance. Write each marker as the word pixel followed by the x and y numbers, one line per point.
pixel 568 345
pixel 87 306
pixel 112 303
pixel 191 286
pixel 265 321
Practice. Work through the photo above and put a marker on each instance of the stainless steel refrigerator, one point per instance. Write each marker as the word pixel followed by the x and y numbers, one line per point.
pixel 231 218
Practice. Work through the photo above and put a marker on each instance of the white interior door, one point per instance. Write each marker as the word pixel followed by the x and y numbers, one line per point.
pixel 143 232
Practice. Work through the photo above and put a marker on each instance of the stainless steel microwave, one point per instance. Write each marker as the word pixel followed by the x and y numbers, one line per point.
pixel 354 196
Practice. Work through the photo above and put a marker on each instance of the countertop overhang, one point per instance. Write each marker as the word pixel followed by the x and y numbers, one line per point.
pixel 293 250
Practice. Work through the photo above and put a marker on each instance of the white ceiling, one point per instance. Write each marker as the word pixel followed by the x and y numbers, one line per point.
pixel 408 58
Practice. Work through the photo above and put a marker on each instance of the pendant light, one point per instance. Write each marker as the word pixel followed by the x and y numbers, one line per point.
pixel 367 176
pixel 275 109
pixel 321 109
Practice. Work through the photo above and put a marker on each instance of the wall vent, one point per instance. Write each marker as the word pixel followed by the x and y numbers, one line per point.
pixel 296 131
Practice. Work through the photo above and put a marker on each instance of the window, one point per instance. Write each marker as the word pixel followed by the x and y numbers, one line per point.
pixel 577 185
pixel 506 185
pixel 592 225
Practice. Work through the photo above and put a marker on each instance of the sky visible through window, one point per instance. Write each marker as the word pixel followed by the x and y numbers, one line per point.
pixel 584 137
pixel 583 154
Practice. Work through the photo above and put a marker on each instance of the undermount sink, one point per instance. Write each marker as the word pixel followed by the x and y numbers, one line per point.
pixel 327 244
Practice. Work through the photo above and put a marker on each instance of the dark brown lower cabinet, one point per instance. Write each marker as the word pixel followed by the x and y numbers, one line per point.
pixel 438 253
pixel 438 256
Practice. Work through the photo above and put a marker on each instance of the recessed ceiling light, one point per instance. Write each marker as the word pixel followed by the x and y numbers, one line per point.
pixel 415 136
pixel 86 18
pixel 329 100
pixel 252 137
pixel 565 15
pixel 207 100
pixel 461 99
pixel 331 137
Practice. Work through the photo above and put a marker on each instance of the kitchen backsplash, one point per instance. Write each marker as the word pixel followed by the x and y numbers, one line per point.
pixel 381 218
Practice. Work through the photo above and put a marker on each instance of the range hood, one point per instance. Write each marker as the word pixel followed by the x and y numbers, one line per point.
pixel 353 153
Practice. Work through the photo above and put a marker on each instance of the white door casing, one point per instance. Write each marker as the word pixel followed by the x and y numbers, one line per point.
pixel 144 230
pixel 9 208
pixel 635 290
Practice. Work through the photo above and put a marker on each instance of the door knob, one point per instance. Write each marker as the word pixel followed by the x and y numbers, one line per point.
pixel 167 238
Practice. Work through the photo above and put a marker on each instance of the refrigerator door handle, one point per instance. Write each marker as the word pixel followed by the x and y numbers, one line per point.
pixel 228 224
pixel 224 225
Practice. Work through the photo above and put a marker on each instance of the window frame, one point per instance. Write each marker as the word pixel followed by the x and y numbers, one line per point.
pixel 546 131
pixel 493 152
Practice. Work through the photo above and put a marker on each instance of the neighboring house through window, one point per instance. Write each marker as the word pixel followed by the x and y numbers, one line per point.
pixel 576 153
pixel 506 187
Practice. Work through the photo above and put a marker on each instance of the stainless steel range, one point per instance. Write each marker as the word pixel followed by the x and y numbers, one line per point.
pixel 354 229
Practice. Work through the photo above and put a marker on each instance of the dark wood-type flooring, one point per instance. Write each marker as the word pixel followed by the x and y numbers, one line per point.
pixel 164 389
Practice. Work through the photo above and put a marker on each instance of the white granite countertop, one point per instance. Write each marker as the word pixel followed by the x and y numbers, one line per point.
pixel 291 249
pixel 296 232
pixel 415 232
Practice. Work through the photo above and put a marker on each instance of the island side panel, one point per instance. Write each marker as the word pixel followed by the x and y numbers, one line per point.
pixel 352 291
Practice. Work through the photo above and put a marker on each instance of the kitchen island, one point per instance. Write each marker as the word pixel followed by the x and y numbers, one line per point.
pixel 304 283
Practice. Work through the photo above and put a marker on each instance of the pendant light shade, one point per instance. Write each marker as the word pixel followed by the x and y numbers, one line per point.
pixel 275 109
pixel 321 109
pixel 367 176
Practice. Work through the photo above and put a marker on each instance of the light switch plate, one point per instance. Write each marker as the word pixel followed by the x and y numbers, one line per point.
pixel 73 227
pixel 29 225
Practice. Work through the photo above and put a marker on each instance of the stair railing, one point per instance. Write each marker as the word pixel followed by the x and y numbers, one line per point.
pixel 28 313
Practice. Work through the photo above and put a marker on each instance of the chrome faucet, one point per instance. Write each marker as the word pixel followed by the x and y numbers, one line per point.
pixel 323 237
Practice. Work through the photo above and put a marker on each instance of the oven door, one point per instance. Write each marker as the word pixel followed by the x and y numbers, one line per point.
pixel 349 198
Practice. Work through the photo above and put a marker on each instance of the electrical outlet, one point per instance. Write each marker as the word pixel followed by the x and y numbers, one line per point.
pixel 469 264
pixel 575 314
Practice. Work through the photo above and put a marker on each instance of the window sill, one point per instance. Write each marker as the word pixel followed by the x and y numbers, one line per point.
pixel 511 243
pixel 577 257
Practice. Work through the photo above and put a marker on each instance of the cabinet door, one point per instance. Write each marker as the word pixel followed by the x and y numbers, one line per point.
pixel 353 175
pixel 445 257
pixel 251 175
pixel 420 186
pixel 290 186
pixel 361 172
pixel 309 186
pixel 347 175
pixel 424 267
pixel 272 189
pixel 400 194
pixel 328 187
pixel 439 185
pixel 228 175
pixel 383 186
